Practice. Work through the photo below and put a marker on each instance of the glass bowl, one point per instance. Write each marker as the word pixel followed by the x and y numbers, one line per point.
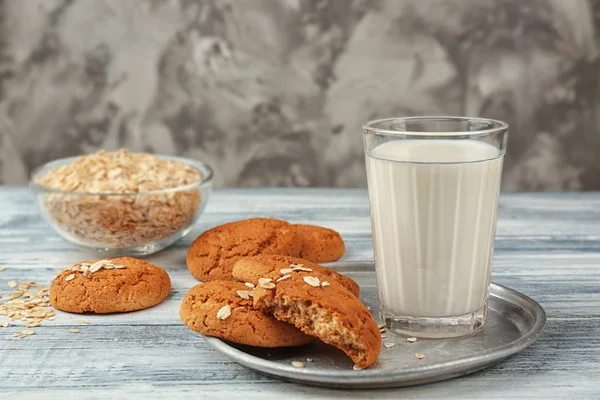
pixel 119 224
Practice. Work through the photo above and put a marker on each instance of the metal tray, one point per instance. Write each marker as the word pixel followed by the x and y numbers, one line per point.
pixel 514 321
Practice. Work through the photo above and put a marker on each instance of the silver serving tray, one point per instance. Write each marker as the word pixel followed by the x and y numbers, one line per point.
pixel 514 321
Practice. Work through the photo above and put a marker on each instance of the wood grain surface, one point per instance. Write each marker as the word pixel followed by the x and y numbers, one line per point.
pixel 547 246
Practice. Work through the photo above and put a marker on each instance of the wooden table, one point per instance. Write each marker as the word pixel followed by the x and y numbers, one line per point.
pixel 548 246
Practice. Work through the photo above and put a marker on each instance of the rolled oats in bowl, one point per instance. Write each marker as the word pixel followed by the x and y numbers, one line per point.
pixel 122 202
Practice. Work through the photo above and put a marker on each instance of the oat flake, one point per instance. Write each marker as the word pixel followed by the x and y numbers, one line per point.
pixel 27 305
pixel 108 221
pixel 300 267
pixel 312 281
pixel 266 283
pixel 224 312
pixel 244 294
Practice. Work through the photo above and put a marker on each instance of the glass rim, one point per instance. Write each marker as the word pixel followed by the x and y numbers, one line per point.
pixel 205 169
pixel 495 126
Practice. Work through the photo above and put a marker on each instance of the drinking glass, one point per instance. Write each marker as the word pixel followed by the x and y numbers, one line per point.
pixel 433 185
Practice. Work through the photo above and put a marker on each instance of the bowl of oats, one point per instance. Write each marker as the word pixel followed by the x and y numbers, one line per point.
pixel 122 203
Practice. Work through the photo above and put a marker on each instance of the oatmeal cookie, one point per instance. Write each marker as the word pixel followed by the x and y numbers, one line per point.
pixel 224 309
pixel 109 286
pixel 322 307
pixel 320 244
pixel 250 269
pixel 213 254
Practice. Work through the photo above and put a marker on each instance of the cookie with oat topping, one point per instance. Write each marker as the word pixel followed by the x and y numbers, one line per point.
pixel 250 269
pixel 109 286
pixel 322 307
pixel 320 244
pixel 224 309
pixel 213 254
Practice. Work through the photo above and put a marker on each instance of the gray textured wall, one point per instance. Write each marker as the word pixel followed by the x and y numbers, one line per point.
pixel 273 92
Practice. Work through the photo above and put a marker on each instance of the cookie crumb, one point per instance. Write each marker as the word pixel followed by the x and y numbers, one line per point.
pixel 244 294
pixel 266 283
pixel 312 281
pixel 324 283
pixel 250 285
pixel 224 312
pixel 411 339
pixel 368 308
pixel 419 356
pixel 28 333
pixel 74 330
pixel 309 360
pixel 357 367
pixel 285 271
pixel 383 336
pixel 389 345
pixel 381 328
pixel 4 324
pixel 298 364
pixel 283 278
pixel 70 277
pixel 2 269
pixel 85 321
pixel 12 284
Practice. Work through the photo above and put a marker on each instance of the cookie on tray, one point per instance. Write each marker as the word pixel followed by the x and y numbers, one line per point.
pixel 250 269
pixel 110 286
pixel 224 309
pixel 213 254
pixel 322 307
pixel 320 244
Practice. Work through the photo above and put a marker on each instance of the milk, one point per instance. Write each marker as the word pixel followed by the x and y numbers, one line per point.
pixel 433 212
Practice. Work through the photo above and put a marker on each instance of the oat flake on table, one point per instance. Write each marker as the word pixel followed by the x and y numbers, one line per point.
pixel 24 304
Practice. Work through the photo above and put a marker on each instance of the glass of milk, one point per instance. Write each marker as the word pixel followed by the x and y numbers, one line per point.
pixel 433 188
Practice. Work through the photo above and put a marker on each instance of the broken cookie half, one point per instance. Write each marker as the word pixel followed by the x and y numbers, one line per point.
pixel 320 306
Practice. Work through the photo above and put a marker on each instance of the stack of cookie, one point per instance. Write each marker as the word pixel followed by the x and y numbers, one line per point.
pixel 264 287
